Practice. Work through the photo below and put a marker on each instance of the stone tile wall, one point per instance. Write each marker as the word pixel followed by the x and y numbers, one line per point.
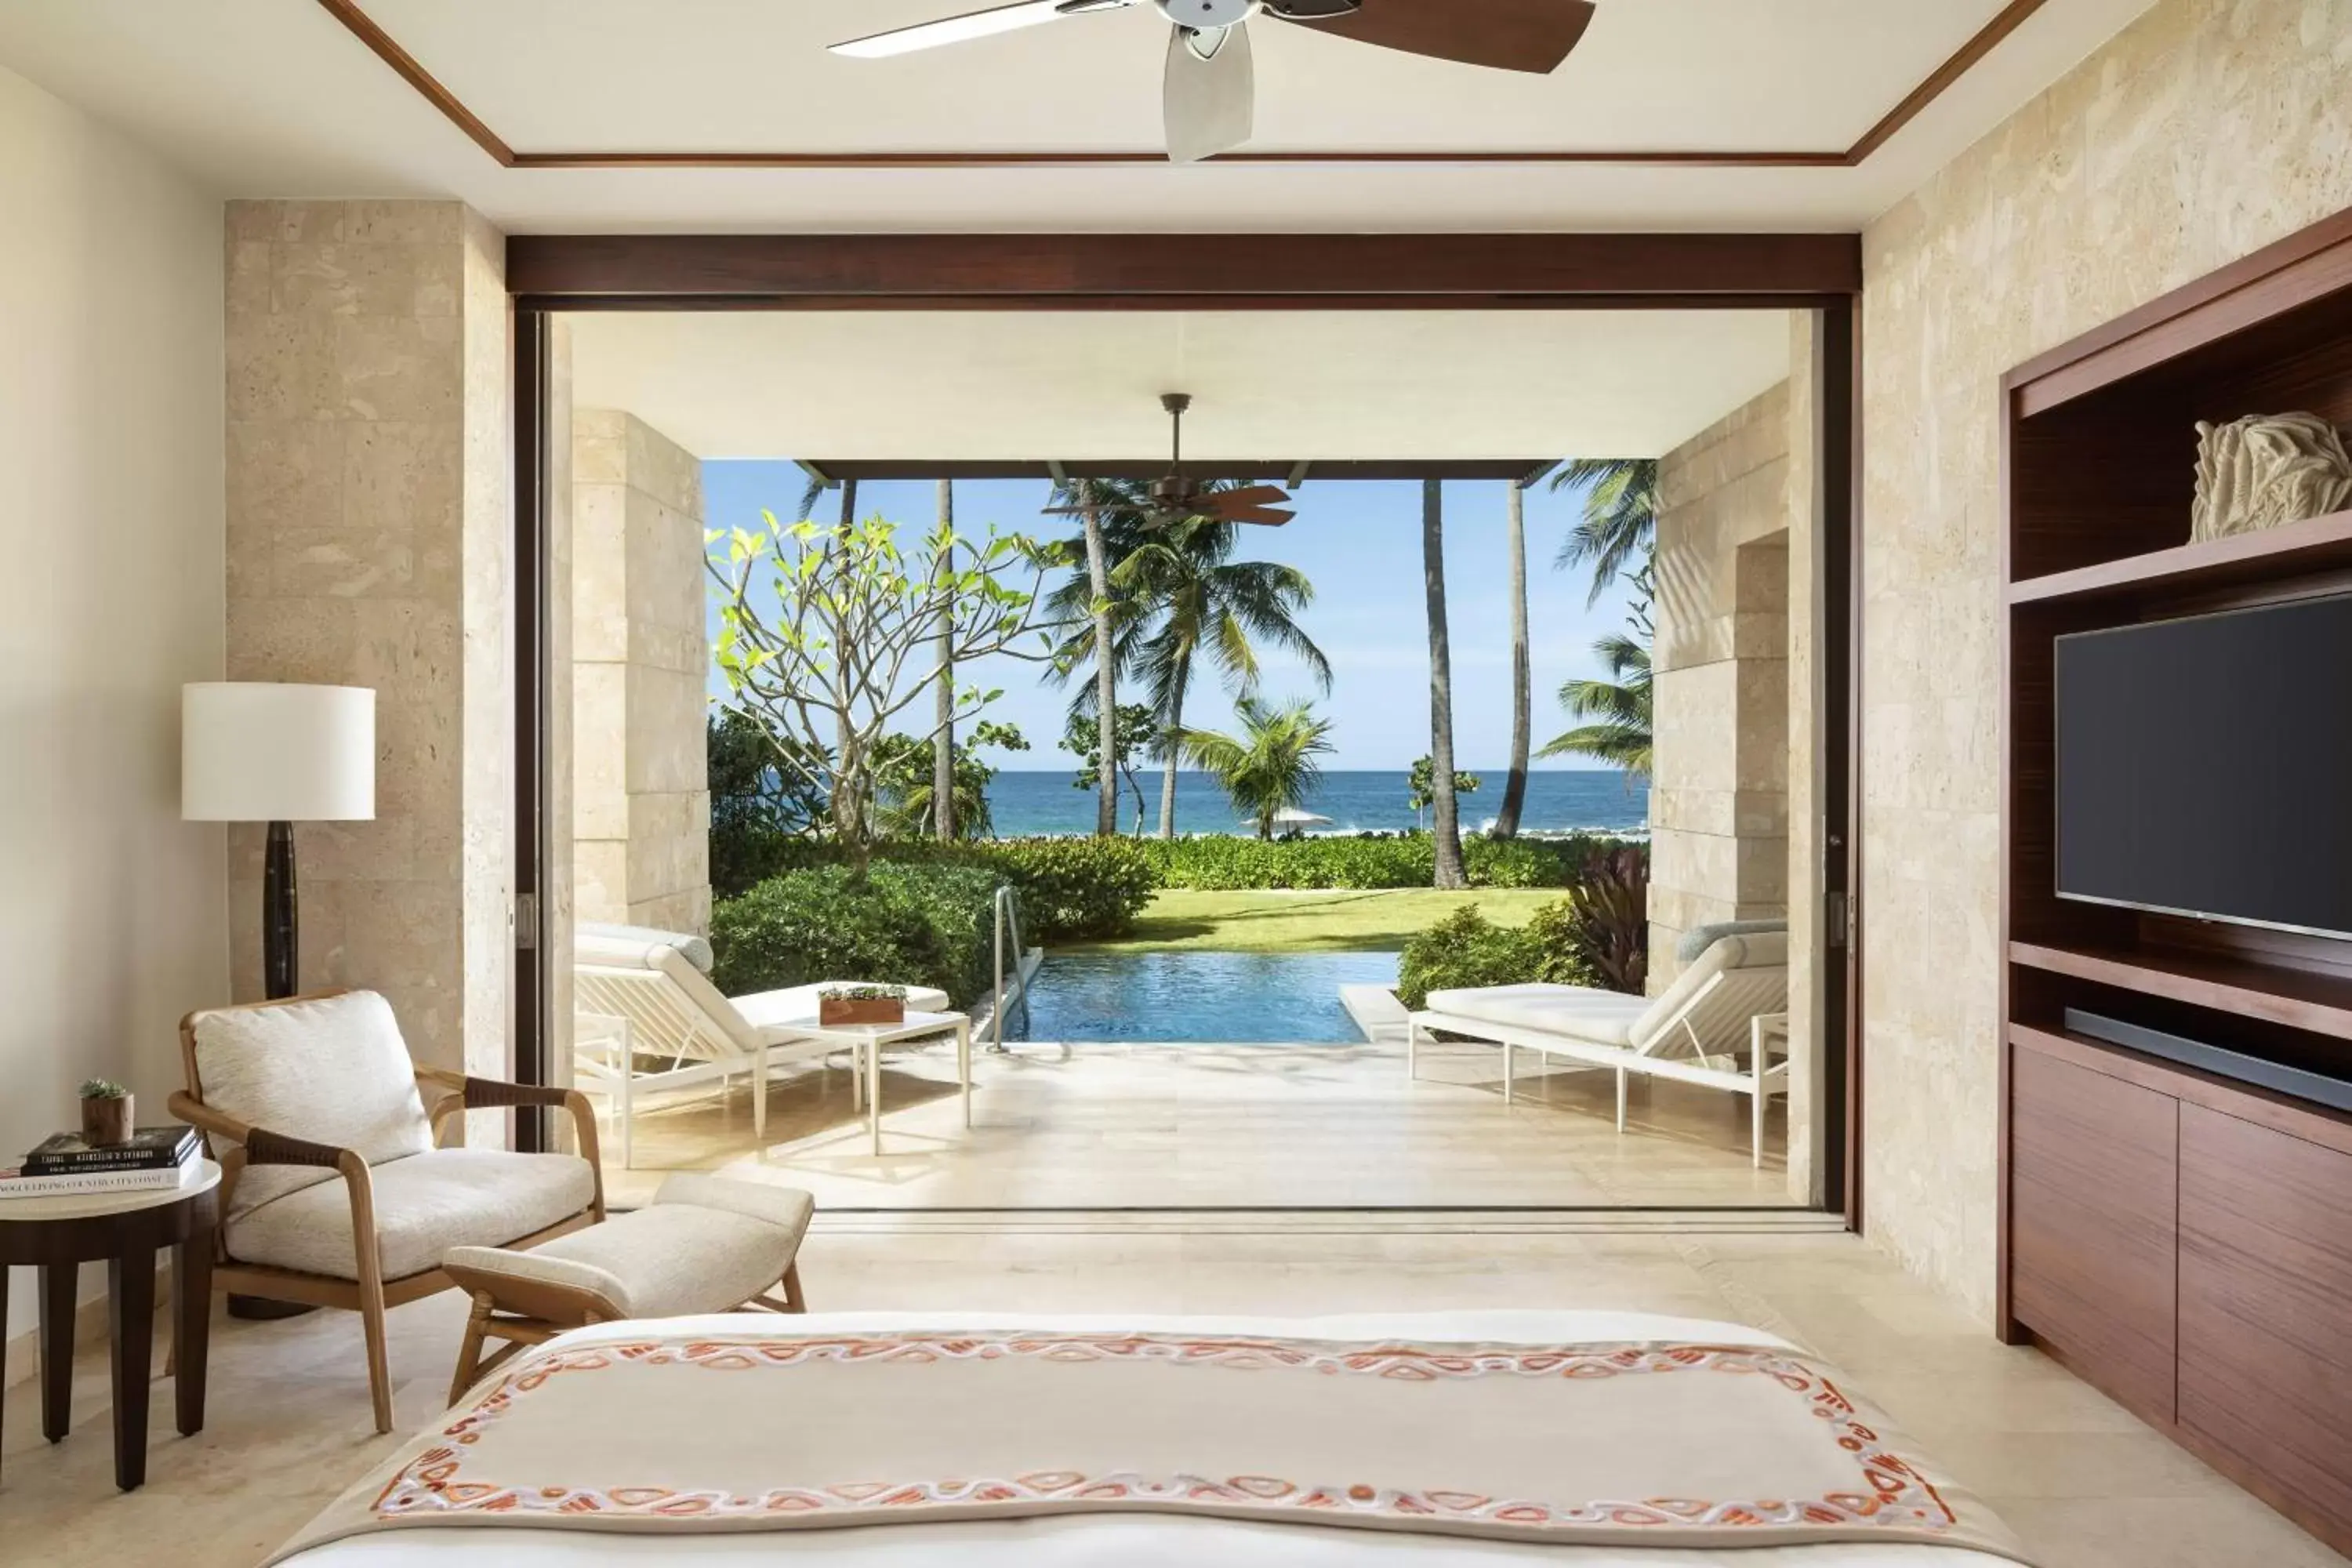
pixel 1719 801
pixel 368 539
pixel 641 658
pixel 2206 129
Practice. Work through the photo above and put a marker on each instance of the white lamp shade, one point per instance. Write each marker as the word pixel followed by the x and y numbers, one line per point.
pixel 251 752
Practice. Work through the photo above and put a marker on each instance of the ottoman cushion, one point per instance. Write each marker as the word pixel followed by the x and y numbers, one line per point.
pixel 706 1244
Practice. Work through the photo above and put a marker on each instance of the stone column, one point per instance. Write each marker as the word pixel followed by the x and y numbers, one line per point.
pixel 1808 954
pixel 1719 799
pixel 368 491
pixel 641 658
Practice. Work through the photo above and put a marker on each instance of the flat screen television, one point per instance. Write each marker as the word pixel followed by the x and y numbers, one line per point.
pixel 2204 766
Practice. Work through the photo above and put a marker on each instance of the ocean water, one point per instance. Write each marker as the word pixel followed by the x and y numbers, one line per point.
pixel 1030 803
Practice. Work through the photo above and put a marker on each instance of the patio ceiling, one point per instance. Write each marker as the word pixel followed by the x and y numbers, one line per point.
pixel 1506 391
pixel 282 98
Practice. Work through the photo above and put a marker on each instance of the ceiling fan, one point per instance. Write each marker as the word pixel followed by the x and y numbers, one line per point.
pixel 1179 496
pixel 1210 86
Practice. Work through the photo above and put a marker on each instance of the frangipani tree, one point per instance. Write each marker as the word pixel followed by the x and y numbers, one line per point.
pixel 830 634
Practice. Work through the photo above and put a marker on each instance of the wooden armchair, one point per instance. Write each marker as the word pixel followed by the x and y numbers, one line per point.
pixel 336 1188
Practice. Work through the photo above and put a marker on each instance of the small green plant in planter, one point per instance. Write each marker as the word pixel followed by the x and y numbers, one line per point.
pixel 839 1005
pixel 106 1108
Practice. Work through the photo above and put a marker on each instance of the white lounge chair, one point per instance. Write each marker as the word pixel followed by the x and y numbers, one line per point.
pixel 641 1000
pixel 1696 1031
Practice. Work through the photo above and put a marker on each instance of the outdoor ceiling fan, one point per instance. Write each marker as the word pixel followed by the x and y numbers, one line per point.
pixel 1210 88
pixel 1179 496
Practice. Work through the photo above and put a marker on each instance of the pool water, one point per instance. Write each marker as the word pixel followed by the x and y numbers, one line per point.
pixel 1239 998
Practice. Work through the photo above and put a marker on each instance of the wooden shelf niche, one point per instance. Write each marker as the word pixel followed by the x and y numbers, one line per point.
pixel 2144 1204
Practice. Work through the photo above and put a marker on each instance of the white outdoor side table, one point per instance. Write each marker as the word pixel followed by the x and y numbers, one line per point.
pixel 866 1042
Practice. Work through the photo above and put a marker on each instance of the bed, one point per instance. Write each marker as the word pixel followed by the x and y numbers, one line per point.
pixel 1475 1440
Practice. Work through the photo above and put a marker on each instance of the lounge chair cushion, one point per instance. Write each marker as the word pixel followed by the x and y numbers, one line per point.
pixel 705 1243
pixel 425 1205
pixel 1698 939
pixel 1578 1011
pixel 696 949
pixel 331 1070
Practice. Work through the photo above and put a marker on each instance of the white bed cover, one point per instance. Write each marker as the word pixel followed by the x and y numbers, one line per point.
pixel 1124 1541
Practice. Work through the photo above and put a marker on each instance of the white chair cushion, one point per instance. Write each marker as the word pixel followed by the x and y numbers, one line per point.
pixel 1761 957
pixel 706 1244
pixel 1577 1011
pixel 425 1205
pixel 334 1070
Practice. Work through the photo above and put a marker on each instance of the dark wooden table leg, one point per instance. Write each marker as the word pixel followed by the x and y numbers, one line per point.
pixel 191 1320
pixel 59 1284
pixel 130 1312
pixel 3 1323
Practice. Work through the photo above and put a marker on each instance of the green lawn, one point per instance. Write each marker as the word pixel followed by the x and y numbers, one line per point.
pixel 1331 921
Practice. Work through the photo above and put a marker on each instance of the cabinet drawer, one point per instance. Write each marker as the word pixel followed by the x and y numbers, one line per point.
pixel 2093 1224
pixel 2266 1305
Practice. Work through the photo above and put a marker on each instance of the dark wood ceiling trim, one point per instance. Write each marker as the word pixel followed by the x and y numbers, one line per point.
pixel 387 49
pixel 1295 271
pixel 1989 39
pixel 1970 54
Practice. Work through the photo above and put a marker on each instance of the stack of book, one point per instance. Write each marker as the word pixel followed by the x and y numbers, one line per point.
pixel 156 1159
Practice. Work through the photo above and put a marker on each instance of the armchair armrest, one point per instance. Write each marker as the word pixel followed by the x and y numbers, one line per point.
pixel 260 1145
pixel 464 1091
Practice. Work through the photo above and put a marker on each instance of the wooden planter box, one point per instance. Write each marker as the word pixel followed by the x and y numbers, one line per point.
pixel 832 1012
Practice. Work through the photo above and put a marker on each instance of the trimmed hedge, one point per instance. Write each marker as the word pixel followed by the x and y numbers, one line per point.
pixel 1220 865
pixel 908 925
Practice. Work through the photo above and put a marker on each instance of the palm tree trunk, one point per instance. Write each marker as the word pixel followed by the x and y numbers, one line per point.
pixel 1446 811
pixel 1172 727
pixel 1515 788
pixel 1106 677
pixel 943 805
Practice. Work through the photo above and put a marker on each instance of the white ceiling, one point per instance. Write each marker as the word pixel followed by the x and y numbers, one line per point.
pixel 1279 386
pixel 274 98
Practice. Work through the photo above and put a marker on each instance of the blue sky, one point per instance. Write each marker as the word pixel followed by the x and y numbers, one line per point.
pixel 1361 545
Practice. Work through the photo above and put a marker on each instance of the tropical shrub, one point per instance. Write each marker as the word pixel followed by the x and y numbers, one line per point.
pixel 1071 890
pixel 1598 935
pixel 905 925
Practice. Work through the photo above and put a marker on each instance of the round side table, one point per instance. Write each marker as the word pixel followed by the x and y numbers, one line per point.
pixel 58 1234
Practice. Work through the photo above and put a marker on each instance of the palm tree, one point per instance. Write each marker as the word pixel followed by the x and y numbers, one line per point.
pixel 1106 674
pixel 1621 516
pixel 1446 825
pixel 1622 735
pixel 1515 786
pixel 1272 765
pixel 1178 597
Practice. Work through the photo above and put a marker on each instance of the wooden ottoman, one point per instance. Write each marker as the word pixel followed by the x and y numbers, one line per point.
pixel 705 1243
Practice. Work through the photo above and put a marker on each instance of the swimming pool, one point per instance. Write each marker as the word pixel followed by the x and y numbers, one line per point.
pixel 1239 998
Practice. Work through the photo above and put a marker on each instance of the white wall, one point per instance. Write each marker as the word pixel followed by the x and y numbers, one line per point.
pixel 112 910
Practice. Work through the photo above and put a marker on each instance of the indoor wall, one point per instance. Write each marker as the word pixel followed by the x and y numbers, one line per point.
pixel 110 599
pixel 2200 133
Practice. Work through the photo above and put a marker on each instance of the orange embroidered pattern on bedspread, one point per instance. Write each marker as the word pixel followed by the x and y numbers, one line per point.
pixel 1863 1485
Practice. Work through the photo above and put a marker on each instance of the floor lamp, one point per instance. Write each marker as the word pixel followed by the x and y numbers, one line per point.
pixel 252 752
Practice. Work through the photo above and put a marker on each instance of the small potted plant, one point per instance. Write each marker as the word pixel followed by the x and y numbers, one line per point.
pixel 105 1113
pixel 840 1004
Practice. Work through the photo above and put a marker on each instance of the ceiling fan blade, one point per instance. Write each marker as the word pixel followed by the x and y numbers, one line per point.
pixel 1263 516
pixel 1075 510
pixel 960 30
pixel 1253 496
pixel 1508 35
pixel 1211 98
